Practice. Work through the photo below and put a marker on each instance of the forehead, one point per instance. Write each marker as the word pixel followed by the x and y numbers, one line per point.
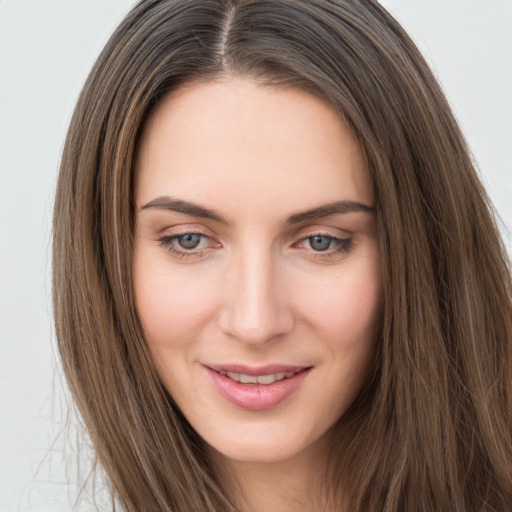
pixel 254 143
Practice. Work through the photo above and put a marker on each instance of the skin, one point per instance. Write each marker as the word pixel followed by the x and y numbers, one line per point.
pixel 256 290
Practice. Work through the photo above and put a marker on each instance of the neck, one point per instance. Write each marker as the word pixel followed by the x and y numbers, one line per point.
pixel 296 484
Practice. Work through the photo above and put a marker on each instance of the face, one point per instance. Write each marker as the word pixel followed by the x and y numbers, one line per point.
pixel 257 271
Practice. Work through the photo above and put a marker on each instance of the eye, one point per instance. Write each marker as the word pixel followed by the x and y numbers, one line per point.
pixel 186 245
pixel 325 245
pixel 320 242
pixel 189 241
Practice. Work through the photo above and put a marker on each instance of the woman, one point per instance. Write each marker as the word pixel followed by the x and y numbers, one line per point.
pixel 278 284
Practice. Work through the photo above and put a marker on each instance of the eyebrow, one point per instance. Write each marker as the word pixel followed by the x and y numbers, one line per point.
pixel 188 208
pixel 335 208
pixel 177 205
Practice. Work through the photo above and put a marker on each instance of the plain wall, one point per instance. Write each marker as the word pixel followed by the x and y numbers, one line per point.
pixel 46 50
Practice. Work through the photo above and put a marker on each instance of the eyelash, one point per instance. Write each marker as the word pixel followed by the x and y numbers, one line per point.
pixel 168 243
pixel 342 245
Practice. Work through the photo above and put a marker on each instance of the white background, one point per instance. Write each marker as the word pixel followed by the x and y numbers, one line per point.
pixel 46 50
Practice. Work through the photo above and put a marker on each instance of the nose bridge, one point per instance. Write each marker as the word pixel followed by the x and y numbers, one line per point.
pixel 256 310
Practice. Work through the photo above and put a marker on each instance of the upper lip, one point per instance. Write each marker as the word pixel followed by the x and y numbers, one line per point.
pixel 256 370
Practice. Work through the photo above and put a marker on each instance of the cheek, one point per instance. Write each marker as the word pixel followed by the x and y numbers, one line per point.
pixel 173 304
pixel 348 308
pixel 347 318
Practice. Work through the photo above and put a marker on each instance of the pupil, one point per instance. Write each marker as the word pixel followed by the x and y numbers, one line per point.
pixel 189 241
pixel 320 243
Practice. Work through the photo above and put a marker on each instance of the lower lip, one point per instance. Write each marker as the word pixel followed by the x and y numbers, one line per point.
pixel 256 397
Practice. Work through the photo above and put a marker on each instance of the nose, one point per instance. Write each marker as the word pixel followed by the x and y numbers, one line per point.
pixel 256 308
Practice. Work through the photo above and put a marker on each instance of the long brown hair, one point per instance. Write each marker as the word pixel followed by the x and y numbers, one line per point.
pixel 432 430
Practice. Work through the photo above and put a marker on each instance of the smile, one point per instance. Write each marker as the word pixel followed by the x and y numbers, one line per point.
pixel 256 389
pixel 265 380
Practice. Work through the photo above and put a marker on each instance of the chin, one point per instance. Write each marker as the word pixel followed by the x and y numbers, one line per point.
pixel 269 447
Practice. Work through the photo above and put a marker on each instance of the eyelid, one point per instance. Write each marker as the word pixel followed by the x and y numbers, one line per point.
pixel 342 242
pixel 315 230
pixel 184 229
pixel 168 237
pixel 326 235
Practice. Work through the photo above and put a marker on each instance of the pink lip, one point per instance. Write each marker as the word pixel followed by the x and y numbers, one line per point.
pixel 256 397
pixel 255 370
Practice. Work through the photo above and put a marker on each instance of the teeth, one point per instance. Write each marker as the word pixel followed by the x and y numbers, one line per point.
pixel 248 379
pixel 266 379
pixel 259 379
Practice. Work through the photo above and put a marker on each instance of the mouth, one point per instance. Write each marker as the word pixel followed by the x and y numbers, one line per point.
pixel 264 380
pixel 256 389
